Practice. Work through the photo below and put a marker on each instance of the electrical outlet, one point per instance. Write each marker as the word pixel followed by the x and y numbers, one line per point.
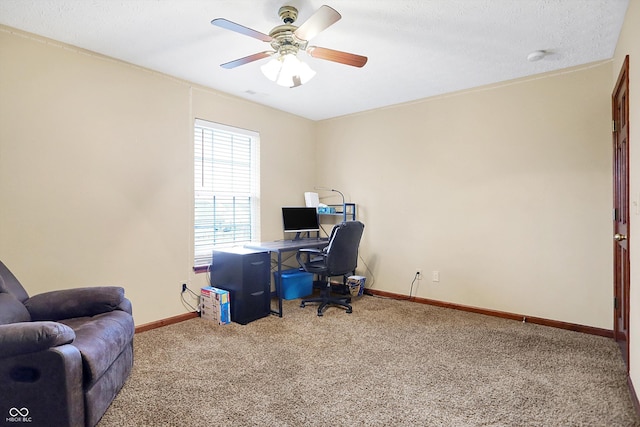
pixel 418 274
pixel 435 276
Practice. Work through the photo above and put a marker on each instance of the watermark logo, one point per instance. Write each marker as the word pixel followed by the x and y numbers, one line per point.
pixel 18 415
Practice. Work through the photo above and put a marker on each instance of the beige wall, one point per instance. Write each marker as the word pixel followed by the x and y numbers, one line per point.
pixel 505 191
pixel 96 171
pixel 628 45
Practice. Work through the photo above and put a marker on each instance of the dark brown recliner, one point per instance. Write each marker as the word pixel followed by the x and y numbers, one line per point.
pixel 64 355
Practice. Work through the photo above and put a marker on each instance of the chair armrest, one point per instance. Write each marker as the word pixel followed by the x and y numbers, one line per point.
pixel 315 253
pixel 78 302
pixel 30 337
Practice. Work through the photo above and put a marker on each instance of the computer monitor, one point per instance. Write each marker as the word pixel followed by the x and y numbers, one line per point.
pixel 299 219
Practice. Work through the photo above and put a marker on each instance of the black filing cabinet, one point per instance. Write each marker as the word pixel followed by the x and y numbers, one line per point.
pixel 245 274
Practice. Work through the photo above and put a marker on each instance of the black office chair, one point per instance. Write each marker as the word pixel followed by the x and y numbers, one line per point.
pixel 339 258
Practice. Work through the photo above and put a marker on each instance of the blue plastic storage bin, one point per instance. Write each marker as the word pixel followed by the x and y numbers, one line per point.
pixel 295 283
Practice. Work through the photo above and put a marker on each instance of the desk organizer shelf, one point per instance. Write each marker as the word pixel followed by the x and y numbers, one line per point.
pixel 347 211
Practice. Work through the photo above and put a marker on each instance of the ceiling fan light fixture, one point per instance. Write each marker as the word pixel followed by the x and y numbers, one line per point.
pixel 287 70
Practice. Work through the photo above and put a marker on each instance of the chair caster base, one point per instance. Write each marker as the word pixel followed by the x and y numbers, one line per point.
pixel 324 303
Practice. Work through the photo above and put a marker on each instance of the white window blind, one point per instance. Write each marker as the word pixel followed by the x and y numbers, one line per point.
pixel 226 188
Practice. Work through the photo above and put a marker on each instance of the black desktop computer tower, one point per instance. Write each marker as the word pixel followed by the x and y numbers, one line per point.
pixel 245 274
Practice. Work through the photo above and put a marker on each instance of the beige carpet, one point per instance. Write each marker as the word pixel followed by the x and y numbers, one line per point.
pixel 389 363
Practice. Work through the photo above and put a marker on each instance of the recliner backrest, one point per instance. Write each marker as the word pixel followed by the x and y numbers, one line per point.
pixel 9 284
pixel 12 309
pixel 342 251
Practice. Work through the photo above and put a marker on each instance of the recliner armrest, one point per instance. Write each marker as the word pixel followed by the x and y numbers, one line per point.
pixel 30 337
pixel 78 302
pixel 125 306
pixel 48 383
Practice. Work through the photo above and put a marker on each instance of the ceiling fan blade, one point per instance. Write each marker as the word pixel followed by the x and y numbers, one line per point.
pixel 246 60
pixel 322 19
pixel 228 25
pixel 337 56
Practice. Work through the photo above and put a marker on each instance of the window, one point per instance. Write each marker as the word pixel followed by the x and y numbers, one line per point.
pixel 226 208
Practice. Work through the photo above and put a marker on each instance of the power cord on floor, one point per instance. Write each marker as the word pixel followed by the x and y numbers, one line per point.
pixel 408 298
pixel 415 277
pixel 185 289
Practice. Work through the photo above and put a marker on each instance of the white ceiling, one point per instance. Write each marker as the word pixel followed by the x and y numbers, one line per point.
pixel 416 48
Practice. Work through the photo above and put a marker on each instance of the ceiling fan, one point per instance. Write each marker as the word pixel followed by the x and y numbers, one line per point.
pixel 286 40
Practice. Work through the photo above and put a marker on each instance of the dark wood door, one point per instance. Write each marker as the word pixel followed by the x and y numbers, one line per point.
pixel 621 277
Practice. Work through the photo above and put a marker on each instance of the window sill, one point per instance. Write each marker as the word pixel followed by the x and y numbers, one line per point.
pixel 201 269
